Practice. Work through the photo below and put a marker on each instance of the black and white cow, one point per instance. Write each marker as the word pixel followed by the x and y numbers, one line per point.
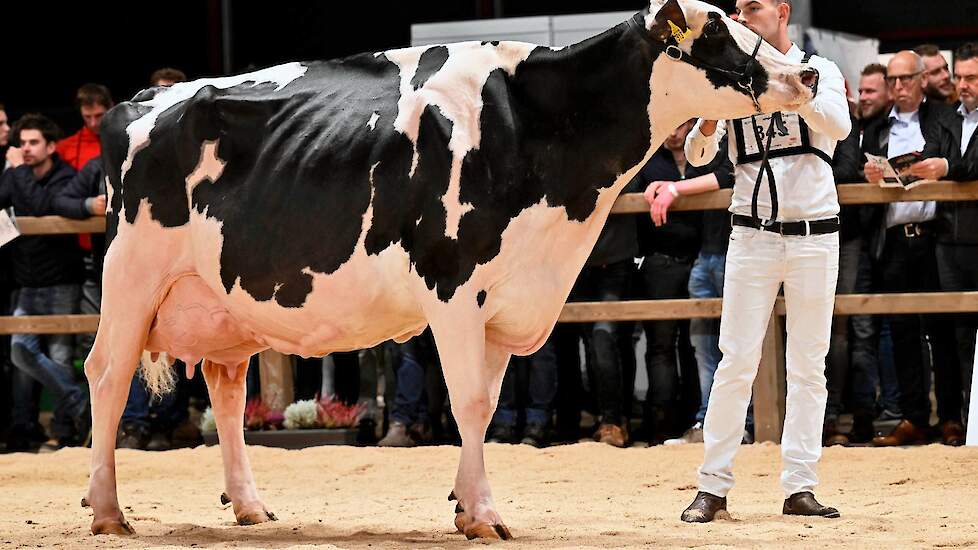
pixel 330 206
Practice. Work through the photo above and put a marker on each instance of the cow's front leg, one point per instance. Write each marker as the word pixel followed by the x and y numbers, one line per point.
pixel 473 372
pixel 227 390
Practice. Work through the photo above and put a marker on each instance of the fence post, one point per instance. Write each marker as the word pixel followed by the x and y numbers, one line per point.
pixel 275 374
pixel 769 385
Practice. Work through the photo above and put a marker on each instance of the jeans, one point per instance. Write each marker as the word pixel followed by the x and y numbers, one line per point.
pixel 706 281
pixel 47 358
pixel 538 374
pixel 758 263
pixel 604 283
pixel 415 354
pixel 664 277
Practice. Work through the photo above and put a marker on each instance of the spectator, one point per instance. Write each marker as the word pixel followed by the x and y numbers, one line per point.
pixel 166 77
pixel 537 375
pixel 49 271
pixel 874 95
pixel 905 244
pixel 954 140
pixel 937 78
pixel 706 275
pixel 93 100
pixel 605 278
pixel 409 425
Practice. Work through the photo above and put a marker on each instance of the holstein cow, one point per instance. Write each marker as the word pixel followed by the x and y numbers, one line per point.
pixel 329 206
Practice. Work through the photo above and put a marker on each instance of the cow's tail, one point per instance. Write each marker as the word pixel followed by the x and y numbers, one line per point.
pixel 157 371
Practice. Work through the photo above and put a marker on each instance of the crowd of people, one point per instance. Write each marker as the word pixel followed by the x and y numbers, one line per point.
pixel 581 383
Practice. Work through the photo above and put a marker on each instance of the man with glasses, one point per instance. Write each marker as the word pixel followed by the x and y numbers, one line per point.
pixel 937 78
pixel 953 144
pixel 905 245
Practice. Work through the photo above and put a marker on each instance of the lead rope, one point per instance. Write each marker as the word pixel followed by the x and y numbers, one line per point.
pixel 765 169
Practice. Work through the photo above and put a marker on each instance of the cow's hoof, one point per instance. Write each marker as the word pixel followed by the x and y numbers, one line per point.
pixel 112 526
pixel 486 531
pixel 84 503
pixel 254 518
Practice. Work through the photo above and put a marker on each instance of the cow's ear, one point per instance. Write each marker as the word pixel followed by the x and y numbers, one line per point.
pixel 670 22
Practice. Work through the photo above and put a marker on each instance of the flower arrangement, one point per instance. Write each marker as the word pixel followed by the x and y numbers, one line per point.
pixel 326 412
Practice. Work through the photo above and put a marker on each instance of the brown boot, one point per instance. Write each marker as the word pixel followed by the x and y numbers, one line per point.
pixel 906 433
pixel 832 436
pixel 804 504
pixel 612 434
pixel 705 508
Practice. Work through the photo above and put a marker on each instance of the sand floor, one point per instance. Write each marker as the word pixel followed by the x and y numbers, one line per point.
pixel 577 496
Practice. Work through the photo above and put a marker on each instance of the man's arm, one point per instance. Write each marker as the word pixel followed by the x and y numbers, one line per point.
pixel 703 141
pixel 828 112
pixel 718 174
pixel 80 198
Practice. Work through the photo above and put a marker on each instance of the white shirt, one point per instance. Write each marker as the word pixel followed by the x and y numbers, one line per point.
pixel 907 137
pixel 804 183
pixel 968 126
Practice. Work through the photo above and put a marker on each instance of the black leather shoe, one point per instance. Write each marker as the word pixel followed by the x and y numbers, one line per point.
pixel 804 504
pixel 704 508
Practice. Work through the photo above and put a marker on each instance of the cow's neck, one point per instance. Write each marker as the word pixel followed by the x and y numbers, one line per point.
pixel 593 103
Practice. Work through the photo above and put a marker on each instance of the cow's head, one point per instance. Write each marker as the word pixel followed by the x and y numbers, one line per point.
pixel 719 68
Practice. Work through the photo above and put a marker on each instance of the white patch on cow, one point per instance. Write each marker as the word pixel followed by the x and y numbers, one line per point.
pixel 109 192
pixel 140 128
pixel 456 90
pixel 373 120
pixel 209 167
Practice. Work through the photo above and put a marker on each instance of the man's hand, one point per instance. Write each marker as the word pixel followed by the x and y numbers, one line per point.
pixel 930 169
pixel 708 127
pixel 98 205
pixel 874 174
pixel 660 206
pixel 15 157
pixel 654 189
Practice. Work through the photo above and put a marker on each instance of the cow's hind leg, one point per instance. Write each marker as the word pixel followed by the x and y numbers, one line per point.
pixel 473 372
pixel 126 319
pixel 226 387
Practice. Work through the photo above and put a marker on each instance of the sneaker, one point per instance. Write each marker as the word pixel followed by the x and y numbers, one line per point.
pixel 888 415
pixel 397 436
pixel 693 435
pixel 501 433
pixel 535 435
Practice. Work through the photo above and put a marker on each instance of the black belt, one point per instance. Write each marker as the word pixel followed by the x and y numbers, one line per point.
pixel 800 229
pixel 913 230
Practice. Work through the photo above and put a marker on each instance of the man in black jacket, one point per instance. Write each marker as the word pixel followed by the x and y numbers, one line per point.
pixel 905 244
pixel 49 271
pixel 954 141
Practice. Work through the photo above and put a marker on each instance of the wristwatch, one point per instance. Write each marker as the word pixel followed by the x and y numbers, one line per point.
pixel 672 189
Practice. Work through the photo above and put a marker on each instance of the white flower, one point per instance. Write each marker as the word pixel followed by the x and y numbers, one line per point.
pixel 207 422
pixel 301 415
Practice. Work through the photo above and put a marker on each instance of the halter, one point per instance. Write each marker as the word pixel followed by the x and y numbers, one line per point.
pixel 672 50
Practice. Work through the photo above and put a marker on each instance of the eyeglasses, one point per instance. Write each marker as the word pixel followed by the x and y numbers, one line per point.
pixel 904 79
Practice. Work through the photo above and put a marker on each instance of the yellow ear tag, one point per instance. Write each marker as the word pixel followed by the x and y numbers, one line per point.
pixel 678 33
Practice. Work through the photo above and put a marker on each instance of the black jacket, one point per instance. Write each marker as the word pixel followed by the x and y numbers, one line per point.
pixel 74 201
pixel 876 141
pixel 847 167
pixel 41 260
pixel 959 220
pixel 617 241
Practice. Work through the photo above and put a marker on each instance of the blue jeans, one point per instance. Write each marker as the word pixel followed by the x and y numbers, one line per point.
pixel 706 281
pixel 140 402
pixel 46 358
pixel 415 355
pixel 541 387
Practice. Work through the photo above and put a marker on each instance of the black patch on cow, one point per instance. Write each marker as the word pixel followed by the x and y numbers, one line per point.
pixel 302 166
pixel 716 46
pixel 480 298
pixel 432 60
pixel 494 43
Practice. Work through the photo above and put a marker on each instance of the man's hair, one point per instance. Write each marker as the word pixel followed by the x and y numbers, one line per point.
pixel 167 73
pixel 41 123
pixel 873 68
pixel 927 50
pixel 966 52
pixel 94 94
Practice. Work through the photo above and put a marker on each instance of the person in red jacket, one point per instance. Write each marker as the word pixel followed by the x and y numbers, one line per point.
pixel 93 100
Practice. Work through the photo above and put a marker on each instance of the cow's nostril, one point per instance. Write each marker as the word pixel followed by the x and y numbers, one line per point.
pixel 809 78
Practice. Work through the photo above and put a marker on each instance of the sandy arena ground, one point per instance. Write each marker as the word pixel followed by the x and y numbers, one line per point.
pixel 578 496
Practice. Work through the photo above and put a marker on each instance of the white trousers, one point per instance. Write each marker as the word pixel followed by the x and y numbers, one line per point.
pixel 758 262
